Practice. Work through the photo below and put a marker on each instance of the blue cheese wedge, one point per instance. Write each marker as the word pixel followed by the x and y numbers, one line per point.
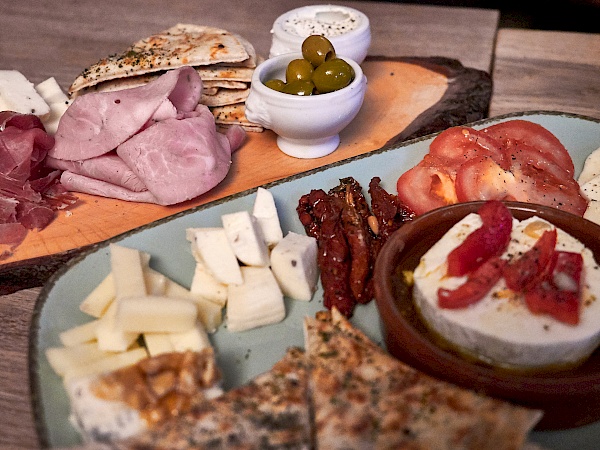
pixel 500 329
pixel 113 405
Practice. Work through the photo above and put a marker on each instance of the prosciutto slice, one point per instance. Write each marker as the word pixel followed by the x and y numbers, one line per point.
pixel 152 143
pixel 29 193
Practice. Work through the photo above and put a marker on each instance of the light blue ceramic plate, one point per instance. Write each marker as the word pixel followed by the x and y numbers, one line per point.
pixel 244 355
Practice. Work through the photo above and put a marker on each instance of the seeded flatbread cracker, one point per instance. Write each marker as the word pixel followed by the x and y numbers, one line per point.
pixel 180 45
pixel 364 398
pixel 234 115
pixel 271 411
pixel 225 97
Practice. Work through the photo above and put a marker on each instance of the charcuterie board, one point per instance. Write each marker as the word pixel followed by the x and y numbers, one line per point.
pixel 406 98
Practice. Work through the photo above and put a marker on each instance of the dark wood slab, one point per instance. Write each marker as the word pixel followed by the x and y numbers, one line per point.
pixel 406 97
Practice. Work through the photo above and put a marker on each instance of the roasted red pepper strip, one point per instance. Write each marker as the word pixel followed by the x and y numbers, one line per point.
pixel 478 284
pixel 531 267
pixel 559 292
pixel 489 240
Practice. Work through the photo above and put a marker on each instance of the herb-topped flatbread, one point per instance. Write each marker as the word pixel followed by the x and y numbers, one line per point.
pixel 364 398
pixel 180 45
pixel 270 411
pixel 224 61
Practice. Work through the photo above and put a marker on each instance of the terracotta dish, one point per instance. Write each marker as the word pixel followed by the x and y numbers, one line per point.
pixel 570 397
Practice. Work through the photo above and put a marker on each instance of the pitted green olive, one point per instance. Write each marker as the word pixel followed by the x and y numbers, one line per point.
pixel 298 69
pixel 299 87
pixel 275 84
pixel 332 75
pixel 317 49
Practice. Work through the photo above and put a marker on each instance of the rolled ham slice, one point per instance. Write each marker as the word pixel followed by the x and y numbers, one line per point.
pixel 98 122
pixel 108 168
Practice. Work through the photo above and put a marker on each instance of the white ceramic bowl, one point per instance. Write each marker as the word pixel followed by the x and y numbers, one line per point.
pixel 353 42
pixel 307 126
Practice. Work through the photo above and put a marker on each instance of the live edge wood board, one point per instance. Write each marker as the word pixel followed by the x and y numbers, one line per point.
pixel 405 98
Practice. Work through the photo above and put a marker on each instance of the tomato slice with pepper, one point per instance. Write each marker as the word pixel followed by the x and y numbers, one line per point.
pixel 458 145
pixel 559 292
pixel 486 241
pixel 525 271
pixel 533 135
pixel 478 284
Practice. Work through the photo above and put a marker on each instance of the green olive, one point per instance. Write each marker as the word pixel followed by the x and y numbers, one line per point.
pixel 298 69
pixel 275 84
pixel 332 75
pixel 317 49
pixel 299 87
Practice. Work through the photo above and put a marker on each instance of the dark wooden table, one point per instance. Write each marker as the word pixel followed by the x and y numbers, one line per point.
pixel 531 70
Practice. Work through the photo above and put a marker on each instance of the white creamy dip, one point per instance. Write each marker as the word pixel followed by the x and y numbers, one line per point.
pixel 347 28
pixel 328 22
pixel 500 329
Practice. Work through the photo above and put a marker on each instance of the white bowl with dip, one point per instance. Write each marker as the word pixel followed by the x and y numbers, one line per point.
pixel 307 126
pixel 347 28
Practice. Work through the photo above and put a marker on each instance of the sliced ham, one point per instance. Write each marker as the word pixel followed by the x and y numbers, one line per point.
pixel 152 143
pixel 179 159
pixel 80 183
pixel 98 122
pixel 108 167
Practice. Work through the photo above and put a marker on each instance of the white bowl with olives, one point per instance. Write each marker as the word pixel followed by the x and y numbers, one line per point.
pixel 307 107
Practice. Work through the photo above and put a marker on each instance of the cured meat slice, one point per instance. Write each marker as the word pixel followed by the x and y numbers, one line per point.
pixel 80 183
pixel 108 167
pixel 179 159
pixel 98 122
pixel 29 193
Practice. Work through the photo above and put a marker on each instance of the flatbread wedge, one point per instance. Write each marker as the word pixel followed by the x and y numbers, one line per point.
pixel 271 411
pixel 364 398
pixel 180 45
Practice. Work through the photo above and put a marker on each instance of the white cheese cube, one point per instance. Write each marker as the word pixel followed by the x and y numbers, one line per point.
pixel 158 343
pixel 256 302
pixel 111 337
pixel 79 334
pixel 56 100
pixel 195 339
pixel 246 238
pixel 18 94
pixel 155 282
pixel 265 211
pixel 109 364
pixel 294 264
pixel 128 272
pixel 206 285
pixel 154 314
pixel 215 250
pixel 209 313
pixel 65 359
pixel 98 301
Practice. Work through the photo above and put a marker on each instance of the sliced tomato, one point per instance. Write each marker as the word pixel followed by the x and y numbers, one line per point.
pixel 428 185
pixel 478 284
pixel 461 144
pixel 514 132
pixel 483 179
pixel 525 271
pixel 485 242
pixel 535 187
pixel 559 293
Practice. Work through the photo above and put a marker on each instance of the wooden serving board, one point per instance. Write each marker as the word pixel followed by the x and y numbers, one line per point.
pixel 405 98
